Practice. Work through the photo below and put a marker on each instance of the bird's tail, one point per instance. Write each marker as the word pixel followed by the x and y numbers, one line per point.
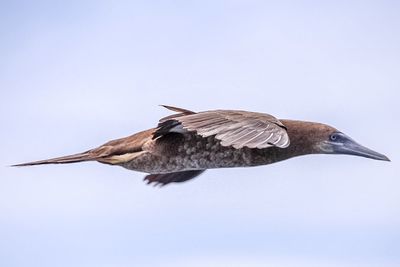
pixel 85 156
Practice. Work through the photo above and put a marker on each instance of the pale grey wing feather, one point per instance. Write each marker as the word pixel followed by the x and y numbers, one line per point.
pixel 238 128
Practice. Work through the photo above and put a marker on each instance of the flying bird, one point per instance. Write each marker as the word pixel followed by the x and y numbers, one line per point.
pixel 185 144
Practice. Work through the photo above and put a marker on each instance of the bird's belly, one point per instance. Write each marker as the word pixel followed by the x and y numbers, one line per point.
pixel 189 152
pixel 198 161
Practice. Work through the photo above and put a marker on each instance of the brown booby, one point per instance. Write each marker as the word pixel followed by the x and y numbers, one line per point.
pixel 185 144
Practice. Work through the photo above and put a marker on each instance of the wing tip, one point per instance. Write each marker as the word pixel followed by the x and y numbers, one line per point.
pixel 176 109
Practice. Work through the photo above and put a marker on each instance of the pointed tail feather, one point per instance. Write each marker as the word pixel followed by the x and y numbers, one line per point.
pixel 85 156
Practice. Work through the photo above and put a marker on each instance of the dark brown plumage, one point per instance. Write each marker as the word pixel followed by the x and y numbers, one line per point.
pixel 185 144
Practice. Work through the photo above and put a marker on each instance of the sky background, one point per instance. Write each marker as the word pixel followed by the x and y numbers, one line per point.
pixel 75 74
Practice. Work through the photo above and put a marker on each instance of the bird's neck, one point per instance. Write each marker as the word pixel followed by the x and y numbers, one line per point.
pixel 302 142
pixel 303 137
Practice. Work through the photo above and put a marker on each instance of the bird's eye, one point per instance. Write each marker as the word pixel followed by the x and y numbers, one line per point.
pixel 333 137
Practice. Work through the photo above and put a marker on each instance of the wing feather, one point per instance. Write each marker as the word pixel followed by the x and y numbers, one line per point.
pixel 236 128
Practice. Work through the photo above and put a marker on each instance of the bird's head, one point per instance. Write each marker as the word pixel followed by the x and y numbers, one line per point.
pixel 324 139
pixel 337 142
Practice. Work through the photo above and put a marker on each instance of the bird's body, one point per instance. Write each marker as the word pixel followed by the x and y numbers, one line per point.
pixel 185 144
pixel 177 152
pixel 180 152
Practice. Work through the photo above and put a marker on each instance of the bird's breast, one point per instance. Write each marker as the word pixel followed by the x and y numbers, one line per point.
pixel 178 152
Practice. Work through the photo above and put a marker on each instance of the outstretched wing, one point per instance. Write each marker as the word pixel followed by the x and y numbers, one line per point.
pixel 233 127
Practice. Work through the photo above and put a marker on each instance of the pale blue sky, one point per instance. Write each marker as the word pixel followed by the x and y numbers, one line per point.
pixel 75 74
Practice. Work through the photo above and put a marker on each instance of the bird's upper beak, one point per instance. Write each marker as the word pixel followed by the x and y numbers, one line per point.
pixel 348 146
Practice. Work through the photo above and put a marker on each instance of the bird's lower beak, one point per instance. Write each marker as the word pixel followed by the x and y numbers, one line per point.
pixel 350 147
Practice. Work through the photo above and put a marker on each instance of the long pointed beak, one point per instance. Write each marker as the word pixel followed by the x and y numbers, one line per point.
pixel 350 147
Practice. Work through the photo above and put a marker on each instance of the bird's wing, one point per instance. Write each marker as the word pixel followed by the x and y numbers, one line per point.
pixel 180 112
pixel 173 177
pixel 233 127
